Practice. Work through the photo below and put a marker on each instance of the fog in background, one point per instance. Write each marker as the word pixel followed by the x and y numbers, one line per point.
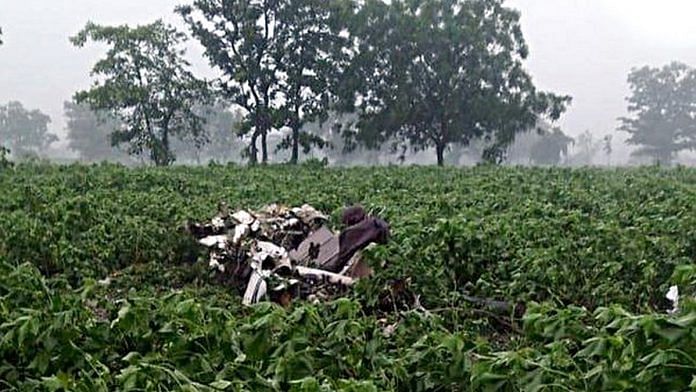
pixel 583 48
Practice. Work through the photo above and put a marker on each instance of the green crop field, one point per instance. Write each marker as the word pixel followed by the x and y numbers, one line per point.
pixel 100 289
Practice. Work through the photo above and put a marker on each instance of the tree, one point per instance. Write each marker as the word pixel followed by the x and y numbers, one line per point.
pixel 144 82
pixel 238 36
pixel 312 60
pixel 221 129
pixel 23 131
pixel 277 60
pixel 663 108
pixel 607 148
pixel 585 150
pixel 89 133
pixel 435 73
pixel 550 148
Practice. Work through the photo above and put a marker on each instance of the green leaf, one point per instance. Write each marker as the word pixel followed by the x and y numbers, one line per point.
pixel 220 384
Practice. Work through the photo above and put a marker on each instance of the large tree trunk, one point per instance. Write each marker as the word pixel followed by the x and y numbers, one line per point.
pixel 295 145
pixel 264 146
pixel 440 151
pixel 265 125
pixel 253 151
pixel 165 147
pixel 441 142
pixel 295 158
pixel 160 153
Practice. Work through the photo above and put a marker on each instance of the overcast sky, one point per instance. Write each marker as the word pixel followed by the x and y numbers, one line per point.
pixel 584 48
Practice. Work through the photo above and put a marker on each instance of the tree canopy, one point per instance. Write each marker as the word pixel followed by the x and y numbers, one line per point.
pixel 434 73
pixel 417 74
pixel 550 148
pixel 89 133
pixel 221 129
pixel 144 82
pixel 24 131
pixel 312 62
pixel 662 105
pixel 279 60
pixel 238 36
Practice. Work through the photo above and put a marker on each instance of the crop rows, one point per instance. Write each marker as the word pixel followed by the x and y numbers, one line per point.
pixel 100 289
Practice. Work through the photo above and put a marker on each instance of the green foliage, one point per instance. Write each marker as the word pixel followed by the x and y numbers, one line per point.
pixel 144 82
pixel 4 160
pixel 279 60
pixel 99 290
pixel 661 102
pixel 24 132
pixel 239 38
pixel 433 73
pixel 313 60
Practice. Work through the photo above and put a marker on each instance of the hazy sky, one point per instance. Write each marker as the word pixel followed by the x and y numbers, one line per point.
pixel 584 48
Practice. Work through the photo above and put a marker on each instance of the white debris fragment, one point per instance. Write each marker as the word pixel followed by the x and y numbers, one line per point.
pixel 308 214
pixel 245 241
pixel 329 276
pixel 218 223
pixel 389 330
pixel 243 217
pixel 214 240
pixel 105 282
pixel 271 249
pixel 264 250
pixel 285 285
pixel 274 210
pixel 215 263
pixel 289 223
pixel 673 296
pixel 240 231
pixel 256 288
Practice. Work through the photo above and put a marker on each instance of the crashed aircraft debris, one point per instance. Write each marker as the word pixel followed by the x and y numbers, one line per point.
pixel 290 250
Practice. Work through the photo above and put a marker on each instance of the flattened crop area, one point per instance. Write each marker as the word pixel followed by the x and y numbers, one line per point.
pixel 493 279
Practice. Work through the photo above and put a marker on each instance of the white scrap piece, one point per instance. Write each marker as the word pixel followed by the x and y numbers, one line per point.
pixel 215 263
pixel 243 217
pixel 240 231
pixel 308 214
pixel 673 296
pixel 256 289
pixel 268 249
pixel 285 285
pixel 282 264
pixel 218 223
pixel 214 240
pixel 284 224
pixel 389 329
pixel 329 276
pixel 274 209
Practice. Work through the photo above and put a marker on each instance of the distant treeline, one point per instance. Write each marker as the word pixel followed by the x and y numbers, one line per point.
pixel 342 80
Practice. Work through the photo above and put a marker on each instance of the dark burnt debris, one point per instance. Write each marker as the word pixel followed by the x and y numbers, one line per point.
pixel 281 253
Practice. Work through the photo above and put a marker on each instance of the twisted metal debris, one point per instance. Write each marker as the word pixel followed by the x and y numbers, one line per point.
pixel 283 253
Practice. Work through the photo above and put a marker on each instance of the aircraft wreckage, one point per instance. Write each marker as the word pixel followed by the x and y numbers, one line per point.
pixel 281 253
